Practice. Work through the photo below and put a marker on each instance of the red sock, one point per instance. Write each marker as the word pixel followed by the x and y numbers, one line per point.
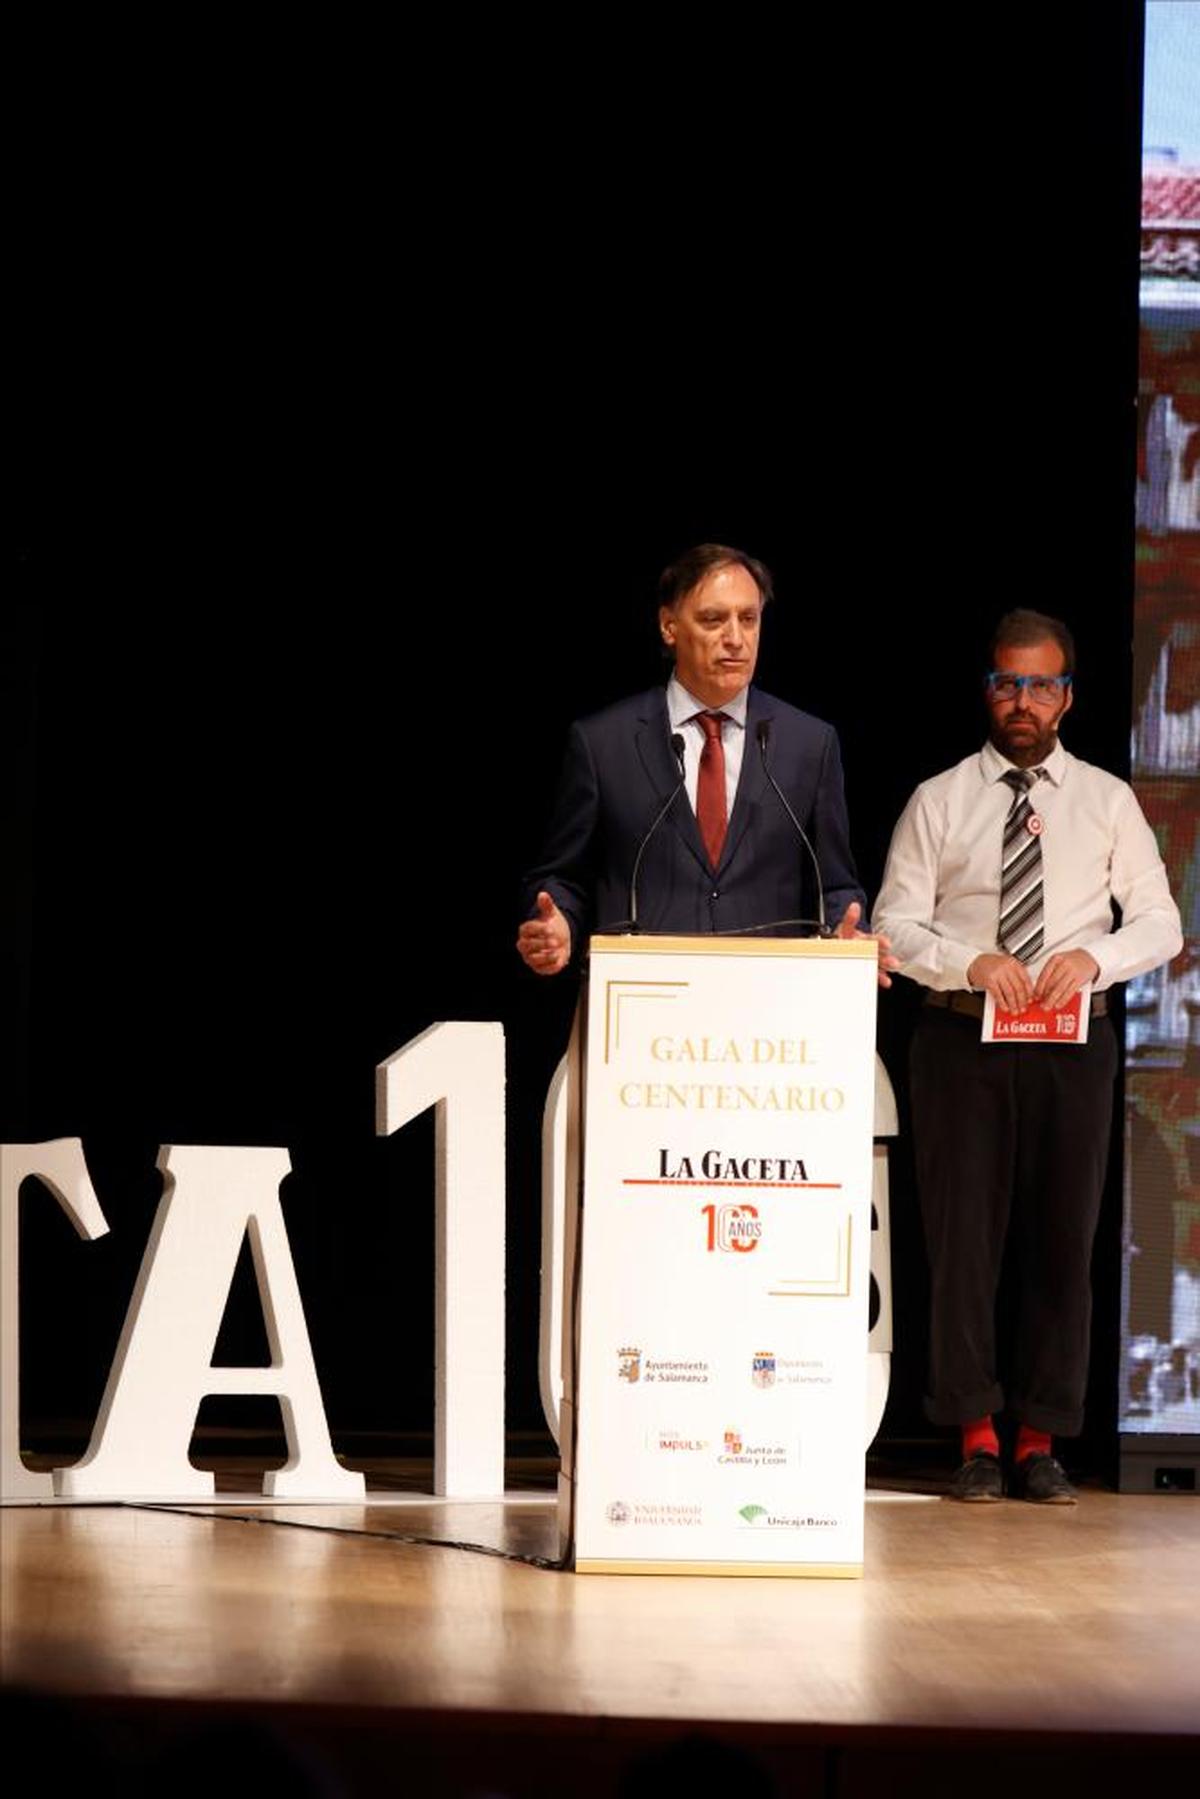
pixel 1032 1442
pixel 980 1435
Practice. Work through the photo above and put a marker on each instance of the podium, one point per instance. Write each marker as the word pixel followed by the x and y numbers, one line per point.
pixel 715 1347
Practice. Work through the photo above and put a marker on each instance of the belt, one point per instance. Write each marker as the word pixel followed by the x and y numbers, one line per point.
pixel 972 1003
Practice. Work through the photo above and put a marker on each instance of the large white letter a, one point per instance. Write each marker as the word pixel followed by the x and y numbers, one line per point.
pixel 212 1197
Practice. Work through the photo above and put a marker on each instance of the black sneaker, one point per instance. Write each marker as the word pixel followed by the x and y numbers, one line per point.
pixel 1041 1479
pixel 979 1480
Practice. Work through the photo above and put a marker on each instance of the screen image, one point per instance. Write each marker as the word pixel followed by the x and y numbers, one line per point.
pixel 1160 1362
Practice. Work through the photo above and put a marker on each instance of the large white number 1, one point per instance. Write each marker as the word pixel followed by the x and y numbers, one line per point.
pixel 459 1069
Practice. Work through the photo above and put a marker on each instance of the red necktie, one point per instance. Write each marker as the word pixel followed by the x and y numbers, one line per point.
pixel 710 789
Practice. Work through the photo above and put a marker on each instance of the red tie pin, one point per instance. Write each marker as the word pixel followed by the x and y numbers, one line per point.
pixel 1035 825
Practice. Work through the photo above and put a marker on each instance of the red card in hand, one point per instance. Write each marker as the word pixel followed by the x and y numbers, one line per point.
pixel 1038 1024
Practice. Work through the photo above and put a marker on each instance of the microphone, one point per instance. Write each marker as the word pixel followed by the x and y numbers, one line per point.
pixel 763 733
pixel 677 746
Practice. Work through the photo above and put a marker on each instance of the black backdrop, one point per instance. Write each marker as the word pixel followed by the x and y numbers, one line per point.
pixel 335 511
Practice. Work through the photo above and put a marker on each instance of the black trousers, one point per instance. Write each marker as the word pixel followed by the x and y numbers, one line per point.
pixel 1011 1142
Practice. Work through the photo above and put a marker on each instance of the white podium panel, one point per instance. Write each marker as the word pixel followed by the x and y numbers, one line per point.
pixel 722 1321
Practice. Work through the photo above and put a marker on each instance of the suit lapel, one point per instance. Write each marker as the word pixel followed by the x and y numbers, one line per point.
pixel 752 781
pixel 658 759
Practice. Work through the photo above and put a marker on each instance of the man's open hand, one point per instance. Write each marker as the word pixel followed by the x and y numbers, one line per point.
pixel 544 942
pixel 847 926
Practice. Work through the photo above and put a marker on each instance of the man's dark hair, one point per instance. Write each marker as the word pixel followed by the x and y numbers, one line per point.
pixel 690 569
pixel 1021 629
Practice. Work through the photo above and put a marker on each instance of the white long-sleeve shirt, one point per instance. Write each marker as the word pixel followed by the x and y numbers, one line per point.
pixel 940 898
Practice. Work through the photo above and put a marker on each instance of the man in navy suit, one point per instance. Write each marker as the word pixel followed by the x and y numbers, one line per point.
pixel 725 855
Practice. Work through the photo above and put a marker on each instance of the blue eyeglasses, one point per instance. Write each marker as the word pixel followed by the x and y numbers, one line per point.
pixel 1043 690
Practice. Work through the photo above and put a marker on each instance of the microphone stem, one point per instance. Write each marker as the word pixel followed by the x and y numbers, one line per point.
pixel 800 831
pixel 677 746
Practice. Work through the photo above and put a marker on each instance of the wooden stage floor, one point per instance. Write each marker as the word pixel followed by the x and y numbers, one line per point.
pixel 1013 1627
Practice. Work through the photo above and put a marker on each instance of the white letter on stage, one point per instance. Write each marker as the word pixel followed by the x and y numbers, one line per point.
pixel 212 1198
pixel 61 1167
pixel 555 1127
pixel 459 1069
pixel 879 1339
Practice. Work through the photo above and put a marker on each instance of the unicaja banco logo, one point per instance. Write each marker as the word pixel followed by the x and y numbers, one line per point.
pixel 752 1513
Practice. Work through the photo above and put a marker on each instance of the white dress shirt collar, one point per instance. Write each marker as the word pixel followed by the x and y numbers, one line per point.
pixel 682 710
pixel 682 705
pixel 993 766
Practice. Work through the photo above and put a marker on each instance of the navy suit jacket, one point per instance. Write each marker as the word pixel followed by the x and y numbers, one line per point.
pixel 619 769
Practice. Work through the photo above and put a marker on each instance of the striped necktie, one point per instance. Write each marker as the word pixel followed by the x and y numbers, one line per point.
pixel 1020 930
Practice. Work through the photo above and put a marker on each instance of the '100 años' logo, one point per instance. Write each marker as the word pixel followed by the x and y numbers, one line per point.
pixel 736 1229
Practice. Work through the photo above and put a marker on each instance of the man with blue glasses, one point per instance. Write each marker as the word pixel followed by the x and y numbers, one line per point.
pixel 1001 880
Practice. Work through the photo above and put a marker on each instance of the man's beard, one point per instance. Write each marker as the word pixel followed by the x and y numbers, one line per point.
pixel 1025 748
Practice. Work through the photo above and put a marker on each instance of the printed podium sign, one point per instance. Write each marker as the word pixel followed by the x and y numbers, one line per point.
pixel 726 1222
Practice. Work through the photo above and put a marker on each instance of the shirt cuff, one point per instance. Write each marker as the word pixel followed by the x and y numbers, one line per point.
pixel 1105 955
pixel 955 962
